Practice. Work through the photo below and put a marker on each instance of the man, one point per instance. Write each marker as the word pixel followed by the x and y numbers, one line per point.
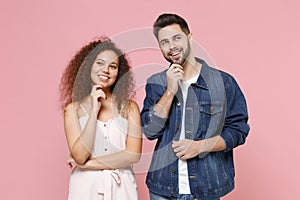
pixel 198 114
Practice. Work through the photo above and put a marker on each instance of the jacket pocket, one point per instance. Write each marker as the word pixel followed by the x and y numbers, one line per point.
pixel 211 108
pixel 211 119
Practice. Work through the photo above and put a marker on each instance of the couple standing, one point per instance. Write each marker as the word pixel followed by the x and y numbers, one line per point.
pixel 198 114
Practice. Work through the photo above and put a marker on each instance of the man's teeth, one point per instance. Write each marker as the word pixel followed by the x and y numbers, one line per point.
pixel 174 54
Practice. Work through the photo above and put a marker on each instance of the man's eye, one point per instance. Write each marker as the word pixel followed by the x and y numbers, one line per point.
pixel 177 37
pixel 163 43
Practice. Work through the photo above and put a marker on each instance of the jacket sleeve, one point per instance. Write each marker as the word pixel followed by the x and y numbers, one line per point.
pixel 235 128
pixel 153 125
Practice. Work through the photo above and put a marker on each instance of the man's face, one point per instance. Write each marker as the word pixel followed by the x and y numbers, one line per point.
pixel 174 44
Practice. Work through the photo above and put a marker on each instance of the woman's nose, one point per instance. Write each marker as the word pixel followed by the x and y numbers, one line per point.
pixel 105 68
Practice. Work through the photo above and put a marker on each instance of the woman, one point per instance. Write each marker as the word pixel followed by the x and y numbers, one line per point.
pixel 102 124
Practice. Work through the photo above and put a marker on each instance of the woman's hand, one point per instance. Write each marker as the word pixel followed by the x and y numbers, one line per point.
pixel 96 94
pixel 71 162
pixel 88 165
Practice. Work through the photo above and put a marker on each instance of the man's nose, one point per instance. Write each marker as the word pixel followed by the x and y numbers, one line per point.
pixel 171 45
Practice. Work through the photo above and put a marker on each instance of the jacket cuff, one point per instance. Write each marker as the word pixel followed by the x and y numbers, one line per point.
pixel 229 141
pixel 155 125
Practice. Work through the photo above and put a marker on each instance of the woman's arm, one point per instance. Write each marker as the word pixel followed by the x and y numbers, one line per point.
pixel 131 154
pixel 80 142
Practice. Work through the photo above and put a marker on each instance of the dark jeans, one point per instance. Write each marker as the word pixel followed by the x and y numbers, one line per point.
pixel 154 196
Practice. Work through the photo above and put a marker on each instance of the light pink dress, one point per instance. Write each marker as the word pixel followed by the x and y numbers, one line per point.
pixel 104 184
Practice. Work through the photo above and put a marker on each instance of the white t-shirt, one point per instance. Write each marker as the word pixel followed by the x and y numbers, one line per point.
pixel 183 176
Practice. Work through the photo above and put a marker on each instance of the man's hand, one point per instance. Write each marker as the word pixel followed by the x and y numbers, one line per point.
pixel 174 75
pixel 186 149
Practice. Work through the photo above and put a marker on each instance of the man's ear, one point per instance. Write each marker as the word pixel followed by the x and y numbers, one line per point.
pixel 190 36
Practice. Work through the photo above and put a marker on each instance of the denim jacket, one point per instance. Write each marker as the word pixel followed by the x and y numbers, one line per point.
pixel 215 106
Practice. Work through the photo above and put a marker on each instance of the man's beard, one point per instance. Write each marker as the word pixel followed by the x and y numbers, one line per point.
pixel 184 57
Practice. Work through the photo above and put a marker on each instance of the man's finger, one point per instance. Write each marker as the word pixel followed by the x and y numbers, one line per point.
pixel 174 65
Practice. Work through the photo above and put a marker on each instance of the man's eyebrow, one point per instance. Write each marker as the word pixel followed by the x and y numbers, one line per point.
pixel 176 35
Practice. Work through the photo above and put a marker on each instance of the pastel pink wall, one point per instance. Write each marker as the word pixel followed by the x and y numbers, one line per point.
pixel 256 41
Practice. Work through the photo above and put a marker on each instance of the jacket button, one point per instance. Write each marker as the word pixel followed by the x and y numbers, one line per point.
pixel 173 170
pixel 172 192
pixel 211 109
pixel 177 127
pixel 178 103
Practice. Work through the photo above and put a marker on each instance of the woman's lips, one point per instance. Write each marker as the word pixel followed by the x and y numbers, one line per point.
pixel 103 78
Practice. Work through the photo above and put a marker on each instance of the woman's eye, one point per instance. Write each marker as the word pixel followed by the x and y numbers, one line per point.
pixel 99 63
pixel 113 66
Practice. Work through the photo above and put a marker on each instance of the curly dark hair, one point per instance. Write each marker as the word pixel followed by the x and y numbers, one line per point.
pixel 76 79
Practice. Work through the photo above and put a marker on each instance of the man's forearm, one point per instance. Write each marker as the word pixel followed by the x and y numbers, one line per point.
pixel 212 144
pixel 162 108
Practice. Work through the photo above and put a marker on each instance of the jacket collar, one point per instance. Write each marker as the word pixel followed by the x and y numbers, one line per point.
pixel 203 73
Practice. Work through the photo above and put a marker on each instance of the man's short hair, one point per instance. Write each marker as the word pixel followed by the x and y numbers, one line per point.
pixel 168 19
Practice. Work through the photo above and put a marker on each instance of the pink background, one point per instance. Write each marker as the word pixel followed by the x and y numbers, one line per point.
pixel 256 41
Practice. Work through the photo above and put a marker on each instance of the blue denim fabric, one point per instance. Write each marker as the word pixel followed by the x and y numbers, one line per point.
pixel 154 196
pixel 215 106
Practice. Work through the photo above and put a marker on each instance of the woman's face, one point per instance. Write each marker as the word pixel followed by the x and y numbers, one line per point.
pixel 105 69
